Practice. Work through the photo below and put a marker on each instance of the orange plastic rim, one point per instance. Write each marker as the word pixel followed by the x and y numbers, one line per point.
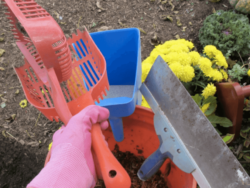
pixel 140 139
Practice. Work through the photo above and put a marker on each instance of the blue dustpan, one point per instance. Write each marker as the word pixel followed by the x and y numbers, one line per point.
pixel 122 51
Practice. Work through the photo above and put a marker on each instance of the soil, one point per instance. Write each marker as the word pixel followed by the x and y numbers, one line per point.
pixel 25 139
pixel 132 164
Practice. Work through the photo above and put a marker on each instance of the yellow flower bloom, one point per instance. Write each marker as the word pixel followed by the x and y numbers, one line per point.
pixel 210 51
pixel 188 74
pixel 248 72
pixel 210 90
pixel 225 76
pixel 195 57
pixel 184 73
pixel 144 102
pixel 205 65
pixel 177 69
pixel 23 103
pixel 149 60
pixel 220 60
pixel 215 75
pixel 145 70
pixel 179 48
pixel 205 107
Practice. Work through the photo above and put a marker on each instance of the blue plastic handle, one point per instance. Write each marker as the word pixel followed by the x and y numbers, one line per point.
pixel 117 128
pixel 151 165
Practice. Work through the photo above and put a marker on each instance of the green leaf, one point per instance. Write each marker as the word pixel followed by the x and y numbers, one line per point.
pixel 211 109
pixel 247 157
pixel 243 135
pixel 197 98
pixel 222 121
pixel 240 155
pixel 218 131
pixel 245 130
pixel 247 142
pixel 210 99
pixel 228 138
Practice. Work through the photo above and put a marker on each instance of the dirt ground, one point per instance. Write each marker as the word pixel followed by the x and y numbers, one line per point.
pixel 24 141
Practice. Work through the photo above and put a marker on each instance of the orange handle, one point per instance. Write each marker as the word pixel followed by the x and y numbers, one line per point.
pixel 113 174
pixel 60 103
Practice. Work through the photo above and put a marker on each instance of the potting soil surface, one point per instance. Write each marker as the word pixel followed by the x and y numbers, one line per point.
pixel 25 132
pixel 132 164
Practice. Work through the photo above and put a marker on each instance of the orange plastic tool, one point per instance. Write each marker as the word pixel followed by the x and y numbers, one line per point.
pixel 231 95
pixel 41 40
pixel 48 64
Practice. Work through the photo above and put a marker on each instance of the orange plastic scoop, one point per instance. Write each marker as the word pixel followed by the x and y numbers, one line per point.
pixel 61 101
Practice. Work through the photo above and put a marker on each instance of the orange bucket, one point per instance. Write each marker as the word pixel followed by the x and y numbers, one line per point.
pixel 140 139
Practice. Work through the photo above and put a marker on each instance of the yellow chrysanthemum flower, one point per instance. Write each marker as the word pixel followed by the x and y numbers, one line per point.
pixel 177 69
pixel 220 60
pixel 210 51
pixel 184 73
pixel 23 103
pixel 225 76
pixel 205 65
pixel 179 48
pixel 195 57
pixel 205 107
pixel 145 70
pixel 210 90
pixel 216 75
pixel 149 60
pixel 144 102
pixel 248 72
pixel 188 74
pixel 171 58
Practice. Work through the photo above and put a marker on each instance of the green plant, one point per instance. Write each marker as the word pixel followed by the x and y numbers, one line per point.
pixel 237 72
pixel 208 107
pixel 228 31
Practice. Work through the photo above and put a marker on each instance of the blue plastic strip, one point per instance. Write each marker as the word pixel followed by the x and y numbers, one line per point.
pixel 86 76
pixel 89 73
pixel 84 46
pixel 80 47
pixel 93 70
pixel 78 53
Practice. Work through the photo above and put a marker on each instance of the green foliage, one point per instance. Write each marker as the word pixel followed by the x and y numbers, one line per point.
pixel 237 72
pixel 228 31
pixel 222 121
pixel 210 112
pixel 228 138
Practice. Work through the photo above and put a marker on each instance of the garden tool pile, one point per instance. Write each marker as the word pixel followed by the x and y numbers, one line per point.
pixel 55 85
pixel 61 87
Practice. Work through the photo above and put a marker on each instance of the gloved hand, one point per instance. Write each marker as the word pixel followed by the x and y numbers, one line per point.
pixel 71 163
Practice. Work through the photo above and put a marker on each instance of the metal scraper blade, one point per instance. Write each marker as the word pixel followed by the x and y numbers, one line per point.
pixel 215 164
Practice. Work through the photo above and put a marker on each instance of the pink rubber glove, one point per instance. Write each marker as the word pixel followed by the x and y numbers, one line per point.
pixel 71 164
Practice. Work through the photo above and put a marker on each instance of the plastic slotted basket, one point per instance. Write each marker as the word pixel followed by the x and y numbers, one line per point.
pixel 39 38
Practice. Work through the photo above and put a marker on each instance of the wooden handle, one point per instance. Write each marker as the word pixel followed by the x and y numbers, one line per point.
pixel 113 174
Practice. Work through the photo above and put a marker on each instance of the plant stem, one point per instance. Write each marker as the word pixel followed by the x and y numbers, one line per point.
pixel 243 65
pixel 38 118
pixel 10 135
pixel 241 58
